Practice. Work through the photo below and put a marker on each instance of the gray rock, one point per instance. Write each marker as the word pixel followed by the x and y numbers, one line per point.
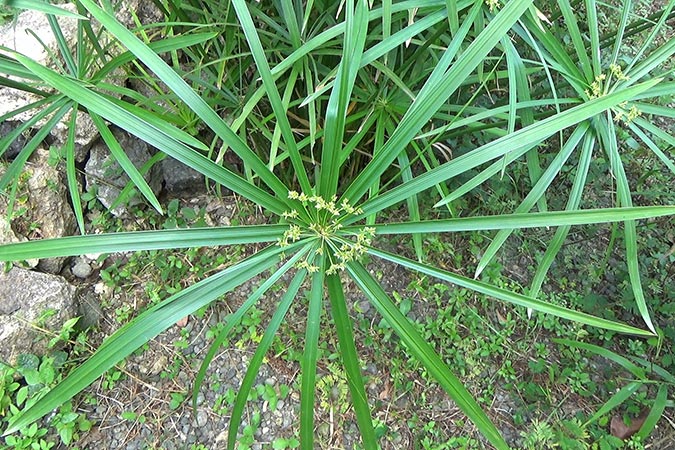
pixel 180 179
pixel 7 236
pixel 15 147
pixel 49 206
pixel 202 417
pixel 16 36
pixel 103 171
pixel 90 310
pixel 145 11
pixel 47 211
pixel 28 298
pixel 81 269
pixel 85 131
pixel 32 35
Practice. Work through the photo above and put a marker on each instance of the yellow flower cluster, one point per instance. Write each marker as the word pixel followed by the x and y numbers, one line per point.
pixel 596 86
pixel 597 89
pixel 616 71
pixel 293 234
pixel 320 204
pixel 493 4
pixel 627 117
pixel 350 250
pixel 327 228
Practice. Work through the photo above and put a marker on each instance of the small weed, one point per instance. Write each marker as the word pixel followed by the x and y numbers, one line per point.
pixel 284 443
pixel 36 376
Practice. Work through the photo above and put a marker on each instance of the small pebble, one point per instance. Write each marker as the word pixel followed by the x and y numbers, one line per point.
pixel 81 269
pixel 202 417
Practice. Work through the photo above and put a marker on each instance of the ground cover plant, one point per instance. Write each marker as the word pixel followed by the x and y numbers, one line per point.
pixel 329 116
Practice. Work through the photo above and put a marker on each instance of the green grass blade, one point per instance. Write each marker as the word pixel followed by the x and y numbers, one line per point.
pixel 577 39
pixel 608 135
pixel 124 161
pixel 576 192
pixel 41 6
pixel 615 400
pixel 356 27
pixel 163 126
pixel 350 360
pixel 71 171
pixel 509 296
pixel 658 58
pixel 149 133
pixel 11 67
pixel 272 93
pixel 453 15
pixel 652 146
pixel 517 142
pixel 62 44
pixel 10 137
pixel 412 203
pixel 549 49
pixel 310 355
pixel 191 98
pixel 383 48
pixel 167 44
pixel 524 220
pixel 648 108
pixel 618 44
pixel 518 76
pixel 423 351
pixel 653 368
pixel 624 362
pixel 655 413
pixel 538 190
pixel 256 361
pixel 291 21
pixel 656 131
pixel 594 33
pixel 141 240
pixel 233 319
pixel 60 108
pixel 128 190
pixel 143 328
pixel 646 45
pixel 435 94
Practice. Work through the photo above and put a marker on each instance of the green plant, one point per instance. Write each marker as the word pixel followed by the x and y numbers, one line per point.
pixel 328 198
pixel 284 443
pixel 39 375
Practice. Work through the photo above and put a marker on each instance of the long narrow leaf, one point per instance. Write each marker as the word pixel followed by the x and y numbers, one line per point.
pixel 143 328
pixel 140 240
pixel 535 194
pixel 256 361
pixel 529 220
pixel 187 94
pixel 310 354
pixel 234 319
pixel 425 353
pixel 336 111
pixel 517 142
pixel 437 93
pixel 272 92
pixel 146 131
pixel 350 360
pixel 511 297
pixel 42 6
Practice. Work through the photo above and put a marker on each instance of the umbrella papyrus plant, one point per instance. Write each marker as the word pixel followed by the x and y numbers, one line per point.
pixel 324 221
